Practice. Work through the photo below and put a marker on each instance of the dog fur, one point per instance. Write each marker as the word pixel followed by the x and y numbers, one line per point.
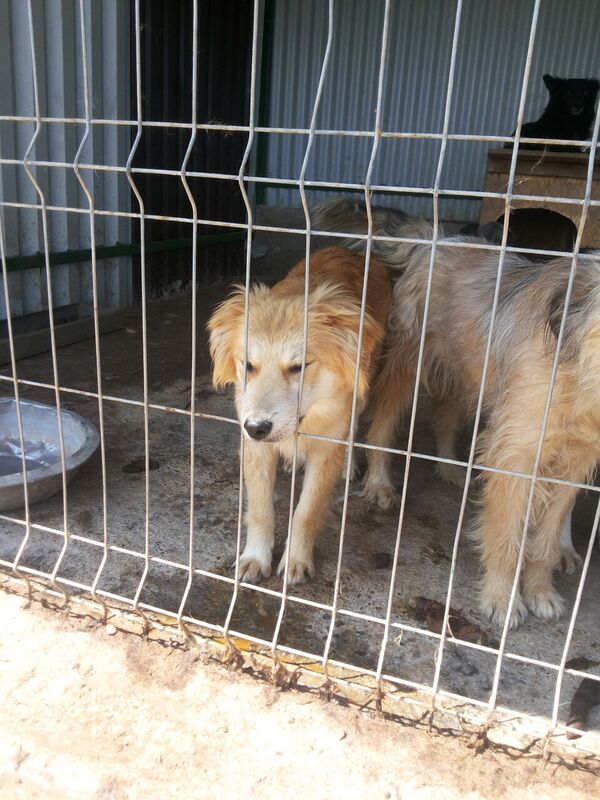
pixel 267 402
pixel 569 114
pixel 529 312
pixel 350 216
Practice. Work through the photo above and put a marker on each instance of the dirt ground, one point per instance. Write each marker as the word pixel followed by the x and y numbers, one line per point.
pixel 93 716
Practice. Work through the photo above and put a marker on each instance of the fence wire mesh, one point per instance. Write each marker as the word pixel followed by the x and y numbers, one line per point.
pixel 388 626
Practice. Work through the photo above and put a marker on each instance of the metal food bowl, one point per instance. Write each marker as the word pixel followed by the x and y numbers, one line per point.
pixel 42 450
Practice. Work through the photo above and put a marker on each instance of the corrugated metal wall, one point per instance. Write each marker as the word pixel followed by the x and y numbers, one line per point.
pixel 59 67
pixel 491 57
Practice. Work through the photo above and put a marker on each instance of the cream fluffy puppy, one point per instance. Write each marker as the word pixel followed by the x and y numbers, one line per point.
pixel 267 405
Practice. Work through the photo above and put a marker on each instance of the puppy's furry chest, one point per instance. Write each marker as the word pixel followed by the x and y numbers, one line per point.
pixel 285 449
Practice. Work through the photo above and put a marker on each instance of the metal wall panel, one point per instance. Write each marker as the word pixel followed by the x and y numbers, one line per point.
pixel 491 56
pixel 60 76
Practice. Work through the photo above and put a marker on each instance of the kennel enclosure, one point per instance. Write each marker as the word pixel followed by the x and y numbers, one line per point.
pixel 171 148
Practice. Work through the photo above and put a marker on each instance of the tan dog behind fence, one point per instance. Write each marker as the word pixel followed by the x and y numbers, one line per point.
pixel 268 405
pixel 529 313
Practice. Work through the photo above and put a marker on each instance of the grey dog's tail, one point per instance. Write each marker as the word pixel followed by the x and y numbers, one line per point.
pixel 350 216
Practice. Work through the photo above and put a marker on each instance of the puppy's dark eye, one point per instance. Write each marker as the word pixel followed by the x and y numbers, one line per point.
pixel 249 366
pixel 296 368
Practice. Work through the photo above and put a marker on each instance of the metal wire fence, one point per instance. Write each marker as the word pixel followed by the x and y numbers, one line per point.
pixel 388 624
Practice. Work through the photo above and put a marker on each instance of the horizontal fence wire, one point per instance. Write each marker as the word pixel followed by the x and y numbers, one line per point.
pixel 304 434
pixel 286 596
pixel 288 182
pixel 209 126
pixel 335 234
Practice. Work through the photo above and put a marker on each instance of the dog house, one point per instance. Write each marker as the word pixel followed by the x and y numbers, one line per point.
pixel 546 200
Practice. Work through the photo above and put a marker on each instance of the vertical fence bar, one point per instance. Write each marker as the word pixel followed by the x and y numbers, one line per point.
pixel 305 208
pixel 411 431
pixel 44 212
pixel 194 207
pixel 477 419
pixel 249 229
pixel 376 139
pixel 142 218
pixel 17 393
pixel 569 636
pixel 95 310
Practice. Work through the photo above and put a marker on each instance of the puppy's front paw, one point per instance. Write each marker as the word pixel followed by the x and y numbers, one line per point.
pixel 380 493
pixel 253 567
pixel 495 607
pixel 300 565
pixel 570 560
pixel 546 604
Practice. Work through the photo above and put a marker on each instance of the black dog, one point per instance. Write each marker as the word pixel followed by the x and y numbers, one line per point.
pixel 568 115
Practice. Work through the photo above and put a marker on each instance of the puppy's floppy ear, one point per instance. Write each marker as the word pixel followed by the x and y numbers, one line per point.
pixel 224 328
pixel 333 322
pixel 550 82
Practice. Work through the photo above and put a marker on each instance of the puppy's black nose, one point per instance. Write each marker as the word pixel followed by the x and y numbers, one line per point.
pixel 258 429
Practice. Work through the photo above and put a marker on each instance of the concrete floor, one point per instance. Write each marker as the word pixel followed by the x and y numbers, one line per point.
pixel 426 546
